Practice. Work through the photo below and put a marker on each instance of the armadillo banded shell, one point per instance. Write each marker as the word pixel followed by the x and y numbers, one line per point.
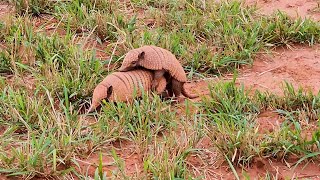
pixel 157 58
pixel 127 85
pixel 173 66
pixel 152 58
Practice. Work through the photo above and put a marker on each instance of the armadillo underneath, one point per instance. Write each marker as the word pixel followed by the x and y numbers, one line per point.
pixel 124 86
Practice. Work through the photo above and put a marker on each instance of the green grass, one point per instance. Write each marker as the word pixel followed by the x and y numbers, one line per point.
pixel 208 37
pixel 232 114
pixel 47 79
pixel 5 64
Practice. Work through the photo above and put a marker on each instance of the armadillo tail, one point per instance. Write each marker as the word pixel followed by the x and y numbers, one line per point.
pixel 186 94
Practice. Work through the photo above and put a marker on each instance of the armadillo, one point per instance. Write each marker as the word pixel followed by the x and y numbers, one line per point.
pixel 124 86
pixel 162 62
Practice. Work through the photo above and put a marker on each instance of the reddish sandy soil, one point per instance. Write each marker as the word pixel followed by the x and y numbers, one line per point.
pixel 125 150
pixel 294 8
pixel 275 169
pixel 299 66
pixel 4 9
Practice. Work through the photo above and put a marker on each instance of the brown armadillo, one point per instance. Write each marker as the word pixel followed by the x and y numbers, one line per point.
pixel 161 61
pixel 124 86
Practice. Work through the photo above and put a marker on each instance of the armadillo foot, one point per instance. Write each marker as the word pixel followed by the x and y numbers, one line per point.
pixel 180 99
pixel 177 100
pixel 164 95
pixel 154 85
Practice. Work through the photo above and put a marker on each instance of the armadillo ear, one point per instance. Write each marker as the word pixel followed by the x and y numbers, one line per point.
pixel 141 55
pixel 109 91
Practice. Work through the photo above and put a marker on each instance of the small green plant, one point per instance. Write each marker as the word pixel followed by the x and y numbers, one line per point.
pixel 99 174
pixel 279 30
pixel 142 118
pixel 105 28
pixel 35 7
pixel 5 63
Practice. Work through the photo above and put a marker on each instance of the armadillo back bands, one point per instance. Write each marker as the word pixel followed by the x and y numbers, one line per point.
pixel 157 58
pixel 126 86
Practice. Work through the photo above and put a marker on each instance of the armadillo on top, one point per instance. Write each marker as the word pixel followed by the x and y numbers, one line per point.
pixel 161 61
pixel 124 86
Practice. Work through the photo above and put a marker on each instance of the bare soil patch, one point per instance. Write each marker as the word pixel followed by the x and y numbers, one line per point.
pixel 296 8
pixel 25 80
pixel 5 10
pixel 268 121
pixel 275 169
pixel 200 88
pixel 125 150
pixel 2 130
pixel 99 49
pixel 48 24
pixel 299 66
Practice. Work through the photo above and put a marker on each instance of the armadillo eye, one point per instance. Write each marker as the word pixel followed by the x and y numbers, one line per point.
pixel 134 62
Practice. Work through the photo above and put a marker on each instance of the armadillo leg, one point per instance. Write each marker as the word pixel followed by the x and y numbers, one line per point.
pixel 176 87
pixel 187 94
pixel 177 90
pixel 158 74
pixel 170 92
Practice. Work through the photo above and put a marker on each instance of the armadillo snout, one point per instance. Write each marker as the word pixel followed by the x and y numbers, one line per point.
pixel 124 69
pixel 99 93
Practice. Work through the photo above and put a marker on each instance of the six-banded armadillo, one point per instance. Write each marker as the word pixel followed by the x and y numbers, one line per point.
pixel 124 86
pixel 161 61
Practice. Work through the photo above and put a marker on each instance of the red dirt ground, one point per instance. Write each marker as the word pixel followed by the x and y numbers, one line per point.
pixel 125 150
pixel 4 9
pixel 300 66
pixel 294 8
pixel 276 169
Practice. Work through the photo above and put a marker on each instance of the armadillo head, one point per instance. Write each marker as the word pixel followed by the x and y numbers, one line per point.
pixel 131 60
pixel 100 92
